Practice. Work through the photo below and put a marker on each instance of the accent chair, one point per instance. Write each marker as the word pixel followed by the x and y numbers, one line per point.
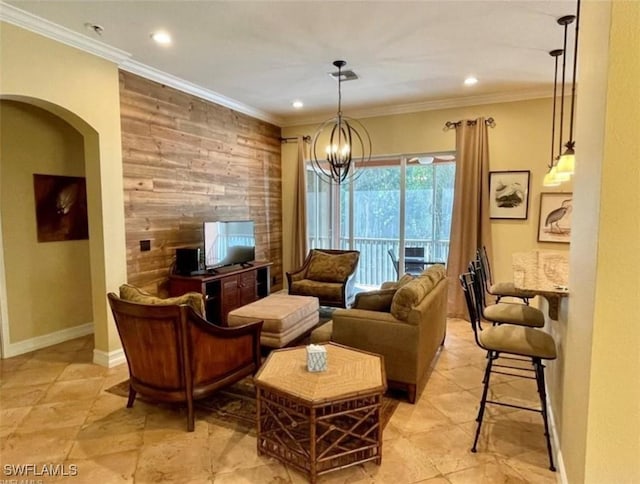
pixel 327 274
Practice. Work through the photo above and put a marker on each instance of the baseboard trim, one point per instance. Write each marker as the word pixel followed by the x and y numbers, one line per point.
pixel 109 359
pixel 561 472
pixel 39 342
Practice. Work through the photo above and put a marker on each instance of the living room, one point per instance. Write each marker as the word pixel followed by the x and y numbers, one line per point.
pixel 87 92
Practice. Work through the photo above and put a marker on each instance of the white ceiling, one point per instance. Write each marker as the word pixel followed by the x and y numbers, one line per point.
pixel 265 54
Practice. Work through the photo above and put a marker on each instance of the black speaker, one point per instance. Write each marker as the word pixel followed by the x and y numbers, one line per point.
pixel 187 260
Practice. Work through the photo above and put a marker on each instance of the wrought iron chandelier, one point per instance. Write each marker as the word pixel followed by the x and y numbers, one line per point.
pixel 341 145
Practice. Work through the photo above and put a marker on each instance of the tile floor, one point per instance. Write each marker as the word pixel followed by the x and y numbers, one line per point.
pixel 54 410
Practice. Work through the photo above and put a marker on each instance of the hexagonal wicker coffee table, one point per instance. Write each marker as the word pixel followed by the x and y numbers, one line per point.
pixel 323 421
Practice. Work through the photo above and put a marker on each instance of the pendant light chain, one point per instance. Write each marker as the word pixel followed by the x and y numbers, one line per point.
pixel 349 144
pixel 567 160
pixel 555 176
pixel 554 53
pixel 573 82
pixel 563 21
pixel 340 91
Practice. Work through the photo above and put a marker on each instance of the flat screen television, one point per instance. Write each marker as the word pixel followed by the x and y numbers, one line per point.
pixel 229 243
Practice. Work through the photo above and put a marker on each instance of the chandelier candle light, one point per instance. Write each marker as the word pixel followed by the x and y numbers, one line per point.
pixel 340 144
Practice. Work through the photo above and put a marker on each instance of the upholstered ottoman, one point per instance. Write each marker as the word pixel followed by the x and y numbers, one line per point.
pixel 285 317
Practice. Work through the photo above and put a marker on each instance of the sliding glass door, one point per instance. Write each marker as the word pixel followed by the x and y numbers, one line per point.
pixel 374 213
pixel 394 203
pixel 320 204
pixel 428 205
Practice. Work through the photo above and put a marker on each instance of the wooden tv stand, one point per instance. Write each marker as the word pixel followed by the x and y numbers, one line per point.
pixel 226 288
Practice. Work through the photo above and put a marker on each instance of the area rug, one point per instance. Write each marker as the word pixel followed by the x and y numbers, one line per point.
pixel 235 406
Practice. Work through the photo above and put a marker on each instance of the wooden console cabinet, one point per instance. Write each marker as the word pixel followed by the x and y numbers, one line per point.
pixel 226 289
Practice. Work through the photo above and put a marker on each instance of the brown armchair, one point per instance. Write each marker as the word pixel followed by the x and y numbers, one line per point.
pixel 174 355
pixel 327 274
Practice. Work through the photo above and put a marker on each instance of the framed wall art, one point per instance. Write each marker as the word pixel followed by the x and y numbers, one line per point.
pixel 554 223
pixel 509 194
pixel 61 207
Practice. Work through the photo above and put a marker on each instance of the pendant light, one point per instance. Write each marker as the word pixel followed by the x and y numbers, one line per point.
pixel 550 179
pixel 567 162
pixel 340 144
pixel 564 21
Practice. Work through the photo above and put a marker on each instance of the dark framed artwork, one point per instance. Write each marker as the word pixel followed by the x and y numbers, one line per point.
pixel 509 194
pixel 61 207
pixel 554 222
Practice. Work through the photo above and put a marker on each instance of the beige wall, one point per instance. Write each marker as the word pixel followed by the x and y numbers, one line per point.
pixel 601 405
pixel 594 386
pixel 83 90
pixel 568 377
pixel 58 273
pixel 520 141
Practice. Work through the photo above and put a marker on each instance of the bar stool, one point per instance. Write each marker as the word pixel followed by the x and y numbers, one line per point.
pixel 509 342
pixel 503 313
pixel 499 289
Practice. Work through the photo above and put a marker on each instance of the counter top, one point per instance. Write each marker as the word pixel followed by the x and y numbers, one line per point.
pixel 544 272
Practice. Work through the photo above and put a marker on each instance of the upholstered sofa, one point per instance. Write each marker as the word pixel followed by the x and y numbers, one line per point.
pixel 327 274
pixel 406 322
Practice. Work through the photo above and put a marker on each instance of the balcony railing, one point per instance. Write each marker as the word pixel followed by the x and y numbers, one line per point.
pixel 375 264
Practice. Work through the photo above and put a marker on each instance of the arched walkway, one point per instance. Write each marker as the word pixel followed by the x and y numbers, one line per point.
pixel 30 294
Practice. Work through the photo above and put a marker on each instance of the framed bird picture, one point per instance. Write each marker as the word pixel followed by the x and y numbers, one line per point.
pixel 554 224
pixel 509 194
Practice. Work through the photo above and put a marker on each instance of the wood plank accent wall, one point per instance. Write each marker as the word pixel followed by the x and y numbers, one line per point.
pixel 186 161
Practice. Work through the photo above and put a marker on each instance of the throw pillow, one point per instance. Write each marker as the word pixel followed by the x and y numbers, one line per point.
pixel 405 279
pixel 325 267
pixel 406 298
pixel 399 283
pixel 379 300
pixel 435 271
pixel 409 296
pixel 135 294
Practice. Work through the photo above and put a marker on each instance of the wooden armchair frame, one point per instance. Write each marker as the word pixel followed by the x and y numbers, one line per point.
pixel 174 355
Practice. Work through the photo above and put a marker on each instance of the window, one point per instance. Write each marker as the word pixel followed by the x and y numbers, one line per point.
pixel 393 203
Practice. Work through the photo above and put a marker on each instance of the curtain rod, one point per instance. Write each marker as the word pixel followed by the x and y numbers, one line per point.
pixel 290 139
pixel 490 122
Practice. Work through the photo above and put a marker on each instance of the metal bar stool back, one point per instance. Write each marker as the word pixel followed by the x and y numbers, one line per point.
pixel 503 313
pixel 509 342
pixel 498 289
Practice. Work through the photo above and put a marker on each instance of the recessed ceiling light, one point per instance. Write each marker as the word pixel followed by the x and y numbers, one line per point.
pixel 161 37
pixel 297 104
pixel 470 81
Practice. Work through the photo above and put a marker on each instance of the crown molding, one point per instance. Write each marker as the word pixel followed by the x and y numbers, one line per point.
pixel 434 105
pixel 33 23
pixel 170 80
pixel 28 21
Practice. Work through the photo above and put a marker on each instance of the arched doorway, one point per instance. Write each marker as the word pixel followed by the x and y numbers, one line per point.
pixel 45 288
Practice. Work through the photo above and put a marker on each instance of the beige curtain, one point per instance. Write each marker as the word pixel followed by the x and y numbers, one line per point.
pixel 299 233
pixel 470 224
